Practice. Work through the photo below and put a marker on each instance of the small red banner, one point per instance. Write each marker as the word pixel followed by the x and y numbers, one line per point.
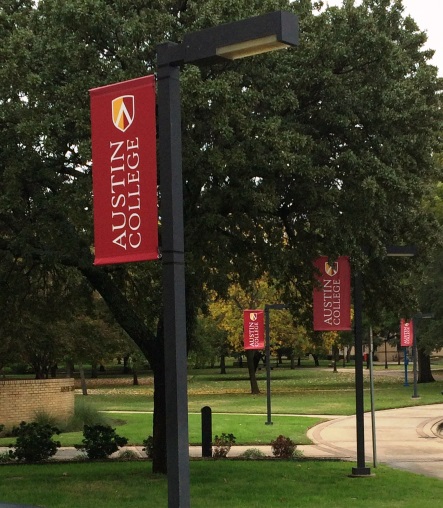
pixel 253 331
pixel 124 171
pixel 406 333
pixel 332 297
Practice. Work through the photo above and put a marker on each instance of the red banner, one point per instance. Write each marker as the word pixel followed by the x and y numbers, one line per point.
pixel 332 298
pixel 406 333
pixel 124 171
pixel 253 331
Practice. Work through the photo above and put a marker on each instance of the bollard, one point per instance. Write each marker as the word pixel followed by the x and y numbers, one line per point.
pixel 206 431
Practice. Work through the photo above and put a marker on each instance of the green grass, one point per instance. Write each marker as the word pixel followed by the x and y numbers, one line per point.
pixel 223 483
pixel 248 429
pixel 298 391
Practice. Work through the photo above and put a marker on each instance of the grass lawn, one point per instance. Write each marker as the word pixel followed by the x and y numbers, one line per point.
pixel 301 391
pixel 248 429
pixel 222 483
pixel 298 391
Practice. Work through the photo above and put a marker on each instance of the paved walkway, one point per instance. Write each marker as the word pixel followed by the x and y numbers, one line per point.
pixel 406 438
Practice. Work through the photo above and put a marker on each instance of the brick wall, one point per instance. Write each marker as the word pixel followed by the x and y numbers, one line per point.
pixel 20 399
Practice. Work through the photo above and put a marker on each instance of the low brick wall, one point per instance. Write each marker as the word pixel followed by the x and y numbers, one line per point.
pixel 20 399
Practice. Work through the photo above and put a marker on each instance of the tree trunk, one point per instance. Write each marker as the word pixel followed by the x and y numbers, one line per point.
pixel 69 368
pixel 151 346
pixel 134 374
pixel 126 367
pixel 94 372
pixel 252 366
pixel 335 358
pixel 83 380
pixel 222 364
pixel 424 367
pixel 316 362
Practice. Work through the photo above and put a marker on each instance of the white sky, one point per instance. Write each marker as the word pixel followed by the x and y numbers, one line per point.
pixel 428 15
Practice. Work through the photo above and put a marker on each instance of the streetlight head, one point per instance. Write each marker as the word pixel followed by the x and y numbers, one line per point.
pixel 403 251
pixel 251 48
pixel 239 39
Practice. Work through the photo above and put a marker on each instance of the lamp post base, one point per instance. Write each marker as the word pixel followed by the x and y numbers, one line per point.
pixel 360 472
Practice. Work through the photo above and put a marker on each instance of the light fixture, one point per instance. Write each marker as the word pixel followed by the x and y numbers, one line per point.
pixel 402 251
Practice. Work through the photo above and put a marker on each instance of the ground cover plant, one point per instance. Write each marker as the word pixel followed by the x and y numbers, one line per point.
pixel 232 483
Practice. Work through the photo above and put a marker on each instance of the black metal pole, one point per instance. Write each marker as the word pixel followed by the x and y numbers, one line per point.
pixel 361 469
pixel 171 187
pixel 414 352
pixel 386 356
pixel 268 366
pixel 406 362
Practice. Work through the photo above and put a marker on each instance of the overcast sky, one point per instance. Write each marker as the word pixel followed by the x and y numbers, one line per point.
pixel 429 17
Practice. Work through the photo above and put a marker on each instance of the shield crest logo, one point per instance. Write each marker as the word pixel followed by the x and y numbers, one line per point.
pixel 253 316
pixel 331 270
pixel 123 112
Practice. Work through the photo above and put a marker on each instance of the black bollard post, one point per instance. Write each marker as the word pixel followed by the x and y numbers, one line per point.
pixel 206 431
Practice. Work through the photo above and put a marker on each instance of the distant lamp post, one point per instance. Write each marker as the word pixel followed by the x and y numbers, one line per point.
pixel 268 307
pixel 361 469
pixel 252 36
pixel 386 353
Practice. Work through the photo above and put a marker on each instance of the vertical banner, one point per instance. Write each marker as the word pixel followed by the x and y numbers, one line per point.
pixel 332 297
pixel 124 171
pixel 406 333
pixel 253 329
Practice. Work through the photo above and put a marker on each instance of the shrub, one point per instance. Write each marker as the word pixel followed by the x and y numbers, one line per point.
pixel 5 457
pixel 283 447
pixel 85 414
pixel 222 444
pixel 34 442
pixel 44 418
pixel 148 444
pixel 128 455
pixel 100 441
pixel 252 454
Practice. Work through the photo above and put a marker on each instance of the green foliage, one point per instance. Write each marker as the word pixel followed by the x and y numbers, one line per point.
pixel 252 454
pixel 286 155
pixel 85 413
pixel 222 444
pixel 34 442
pixel 43 418
pixel 283 447
pixel 5 457
pixel 100 441
pixel 148 444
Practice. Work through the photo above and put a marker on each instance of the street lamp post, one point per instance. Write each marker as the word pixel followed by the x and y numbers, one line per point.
pixel 361 469
pixel 248 37
pixel 275 306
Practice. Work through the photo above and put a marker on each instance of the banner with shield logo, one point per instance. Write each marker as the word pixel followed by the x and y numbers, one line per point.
pixel 332 294
pixel 253 329
pixel 124 171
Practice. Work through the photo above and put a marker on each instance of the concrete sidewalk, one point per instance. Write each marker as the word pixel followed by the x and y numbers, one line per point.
pixel 406 438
